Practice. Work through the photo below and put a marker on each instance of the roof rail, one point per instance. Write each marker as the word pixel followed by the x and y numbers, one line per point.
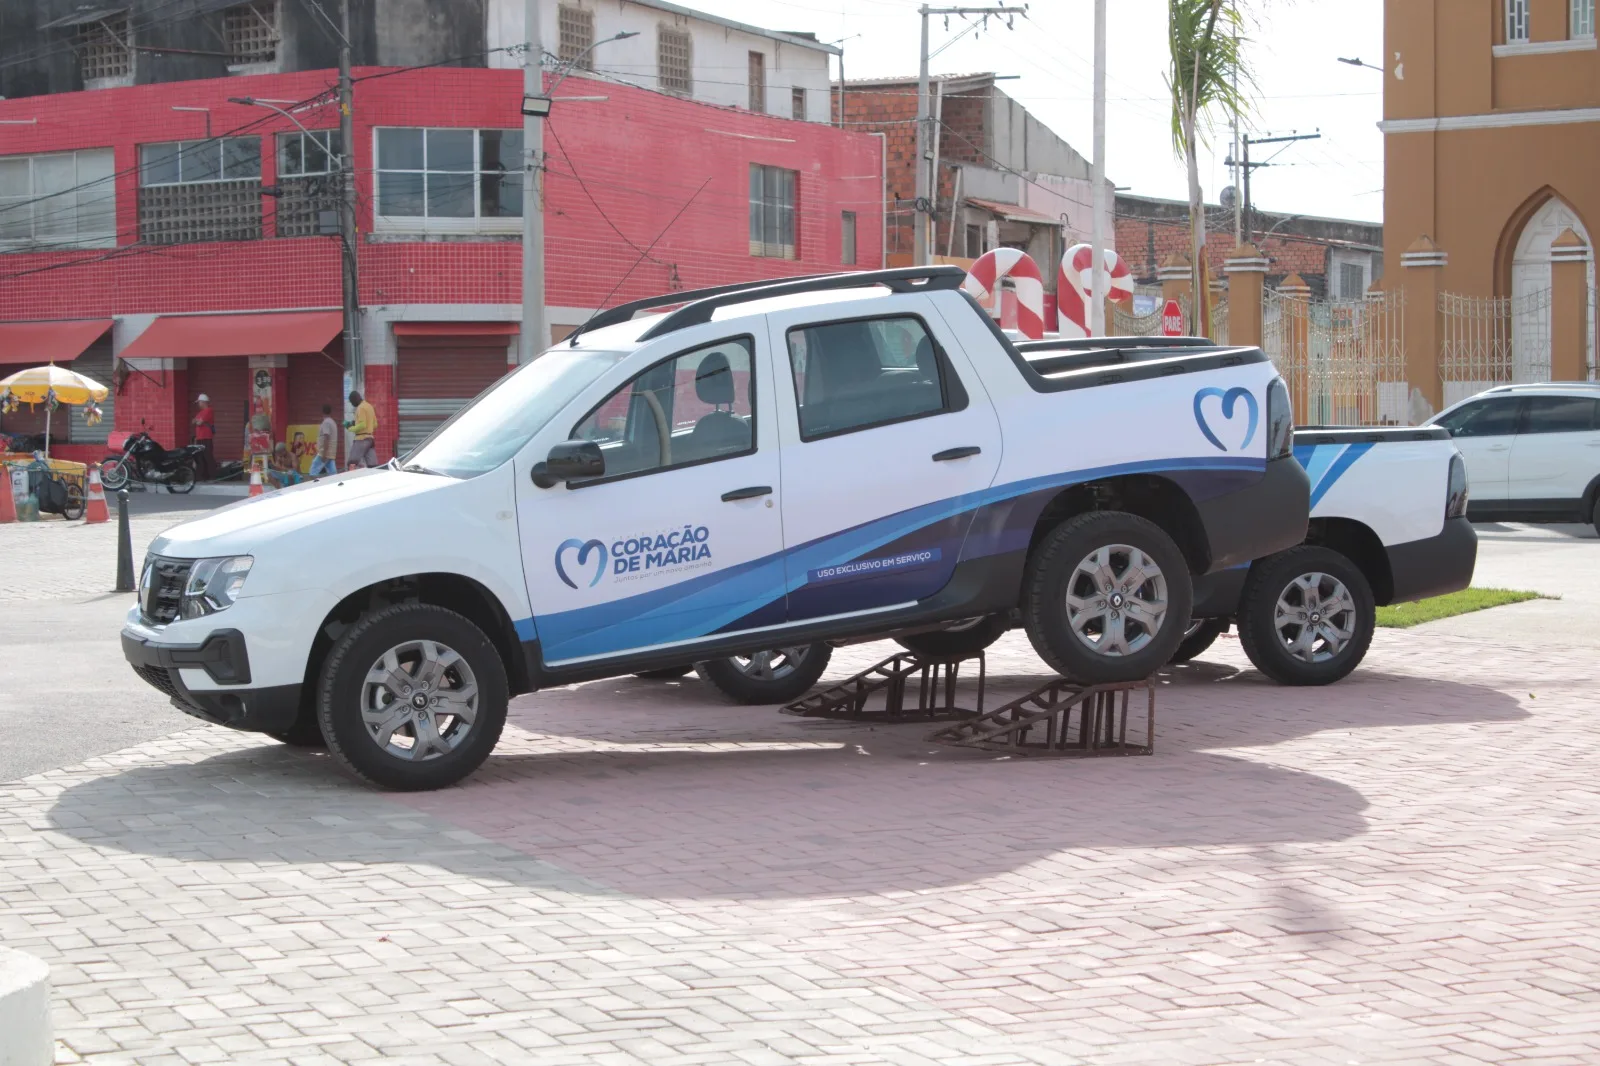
pixel 611 316
pixel 900 279
pixel 1096 344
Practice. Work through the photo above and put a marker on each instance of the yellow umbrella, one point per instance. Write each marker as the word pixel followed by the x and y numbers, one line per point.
pixel 35 385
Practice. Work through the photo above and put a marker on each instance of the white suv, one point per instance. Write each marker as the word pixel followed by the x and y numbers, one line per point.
pixel 1532 451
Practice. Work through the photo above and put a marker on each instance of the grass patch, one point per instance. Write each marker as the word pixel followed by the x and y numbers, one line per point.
pixel 1404 615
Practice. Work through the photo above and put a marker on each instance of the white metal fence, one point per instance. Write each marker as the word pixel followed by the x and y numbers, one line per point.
pixel 1492 340
pixel 1343 360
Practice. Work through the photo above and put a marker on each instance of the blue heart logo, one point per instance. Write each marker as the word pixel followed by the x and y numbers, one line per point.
pixel 1230 399
pixel 584 548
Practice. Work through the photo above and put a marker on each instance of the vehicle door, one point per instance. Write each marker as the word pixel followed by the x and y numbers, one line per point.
pixel 1557 449
pixel 887 437
pixel 1483 431
pixel 681 537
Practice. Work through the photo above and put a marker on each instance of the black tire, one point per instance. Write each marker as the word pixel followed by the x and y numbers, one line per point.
pixel 740 686
pixel 1594 515
pixel 1200 636
pixel 113 473
pixel 342 687
pixel 666 673
pixel 182 481
pixel 1267 645
pixel 72 510
pixel 1053 574
pixel 953 645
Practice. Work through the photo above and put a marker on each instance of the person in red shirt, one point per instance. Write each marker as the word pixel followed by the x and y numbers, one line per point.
pixel 205 430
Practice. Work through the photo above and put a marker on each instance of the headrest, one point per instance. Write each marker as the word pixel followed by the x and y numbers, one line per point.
pixel 713 382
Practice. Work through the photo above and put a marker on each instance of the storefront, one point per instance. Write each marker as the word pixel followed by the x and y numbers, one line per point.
pixel 82 345
pixel 441 366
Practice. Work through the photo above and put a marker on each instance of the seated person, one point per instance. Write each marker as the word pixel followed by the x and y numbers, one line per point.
pixel 282 470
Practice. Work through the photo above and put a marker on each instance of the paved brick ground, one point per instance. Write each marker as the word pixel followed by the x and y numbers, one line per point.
pixel 1401 868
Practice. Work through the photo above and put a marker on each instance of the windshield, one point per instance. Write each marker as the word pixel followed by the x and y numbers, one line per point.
pixel 492 428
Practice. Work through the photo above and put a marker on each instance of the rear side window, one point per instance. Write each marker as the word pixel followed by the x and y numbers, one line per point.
pixel 1485 418
pixel 1559 414
pixel 868 372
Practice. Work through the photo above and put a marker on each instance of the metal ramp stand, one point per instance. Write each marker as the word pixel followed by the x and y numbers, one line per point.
pixel 891 678
pixel 1041 723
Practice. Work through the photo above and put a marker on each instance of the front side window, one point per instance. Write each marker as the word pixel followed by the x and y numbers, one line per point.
pixel 206 190
pixel 453 179
pixel 1560 414
pixel 1581 23
pixel 864 373
pixel 1486 418
pixel 64 199
pixel 772 211
pixel 1517 21
pixel 693 408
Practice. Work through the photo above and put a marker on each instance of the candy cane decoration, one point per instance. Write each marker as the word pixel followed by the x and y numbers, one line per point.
pixel 983 282
pixel 1075 286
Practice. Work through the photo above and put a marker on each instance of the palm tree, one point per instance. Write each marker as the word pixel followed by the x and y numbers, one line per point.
pixel 1207 66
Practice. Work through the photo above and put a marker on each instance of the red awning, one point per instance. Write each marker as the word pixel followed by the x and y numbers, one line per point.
pixel 37 343
pixel 456 329
pixel 204 336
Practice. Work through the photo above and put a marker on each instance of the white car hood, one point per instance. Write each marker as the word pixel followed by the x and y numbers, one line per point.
pixel 240 528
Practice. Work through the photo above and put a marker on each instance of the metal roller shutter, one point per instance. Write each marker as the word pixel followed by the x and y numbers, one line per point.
pixel 437 376
pixel 227 381
pixel 96 363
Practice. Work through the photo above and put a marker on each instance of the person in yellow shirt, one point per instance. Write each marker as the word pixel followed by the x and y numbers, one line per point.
pixel 363 452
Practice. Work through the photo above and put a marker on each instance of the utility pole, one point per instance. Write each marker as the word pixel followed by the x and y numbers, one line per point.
pixel 354 358
pixel 1097 230
pixel 1243 163
pixel 926 207
pixel 535 334
pixel 1238 203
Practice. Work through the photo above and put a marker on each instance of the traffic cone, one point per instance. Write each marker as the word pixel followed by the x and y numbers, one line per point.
pixel 8 506
pixel 94 508
pixel 255 481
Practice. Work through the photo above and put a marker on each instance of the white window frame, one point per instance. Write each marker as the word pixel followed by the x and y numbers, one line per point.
pixel 1338 262
pixel 325 138
pixel 218 143
pixel 419 224
pixel 763 248
pixel 1580 20
pixel 1517 26
pixel 49 203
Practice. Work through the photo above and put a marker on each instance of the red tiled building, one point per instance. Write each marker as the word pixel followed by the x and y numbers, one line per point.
pixel 185 254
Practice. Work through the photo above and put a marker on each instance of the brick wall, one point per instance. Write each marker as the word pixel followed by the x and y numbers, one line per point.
pixel 1144 245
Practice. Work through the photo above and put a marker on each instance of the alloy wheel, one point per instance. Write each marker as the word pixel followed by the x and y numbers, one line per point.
pixel 772 665
pixel 1116 600
pixel 419 700
pixel 1315 617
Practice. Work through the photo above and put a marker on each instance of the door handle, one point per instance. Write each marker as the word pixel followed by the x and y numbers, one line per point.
pixel 1498 448
pixel 748 493
pixel 956 453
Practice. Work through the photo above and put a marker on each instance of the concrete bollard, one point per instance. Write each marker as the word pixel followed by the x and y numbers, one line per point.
pixel 25 1035
pixel 124 545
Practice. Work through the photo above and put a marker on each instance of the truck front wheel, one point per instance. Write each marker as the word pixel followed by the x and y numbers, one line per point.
pixel 1106 597
pixel 412 697
pixel 1306 616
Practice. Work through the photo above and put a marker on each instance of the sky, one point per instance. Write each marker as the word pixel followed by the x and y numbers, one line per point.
pixel 1293 50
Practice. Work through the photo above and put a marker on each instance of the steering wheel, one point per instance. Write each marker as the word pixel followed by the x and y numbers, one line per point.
pixel 663 430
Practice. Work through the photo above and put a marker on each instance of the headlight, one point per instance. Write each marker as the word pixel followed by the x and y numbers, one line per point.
pixel 1280 420
pixel 1455 500
pixel 214 584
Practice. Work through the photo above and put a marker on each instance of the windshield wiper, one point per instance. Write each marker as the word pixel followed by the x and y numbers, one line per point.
pixel 418 468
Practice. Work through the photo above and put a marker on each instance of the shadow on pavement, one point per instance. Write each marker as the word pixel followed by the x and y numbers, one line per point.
pixel 841 810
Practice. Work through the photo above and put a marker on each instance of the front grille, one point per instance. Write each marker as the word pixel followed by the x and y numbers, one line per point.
pixel 163 590
pixel 159 678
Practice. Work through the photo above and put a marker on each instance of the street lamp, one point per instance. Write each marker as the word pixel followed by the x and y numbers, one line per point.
pixel 251 101
pixel 1358 63
pixel 536 106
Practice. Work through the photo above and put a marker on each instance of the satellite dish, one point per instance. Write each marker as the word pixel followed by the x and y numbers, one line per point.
pixel 1229 197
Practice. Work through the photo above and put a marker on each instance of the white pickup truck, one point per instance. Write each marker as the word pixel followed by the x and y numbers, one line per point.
pixel 773 465
pixel 1388 525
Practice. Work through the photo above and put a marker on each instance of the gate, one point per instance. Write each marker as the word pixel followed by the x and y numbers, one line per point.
pixel 1343 360
pixel 1492 340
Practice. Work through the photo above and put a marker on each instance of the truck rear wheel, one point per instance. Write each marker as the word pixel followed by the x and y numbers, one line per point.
pixel 1201 634
pixel 1106 597
pixel 956 643
pixel 412 697
pixel 776 676
pixel 1306 616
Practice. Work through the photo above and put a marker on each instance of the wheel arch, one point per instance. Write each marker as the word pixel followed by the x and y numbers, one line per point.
pixel 1150 496
pixel 454 592
pixel 1591 495
pixel 1357 542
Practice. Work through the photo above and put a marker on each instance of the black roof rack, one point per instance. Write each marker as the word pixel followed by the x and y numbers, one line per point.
pixel 1095 344
pixel 625 312
pixel 900 279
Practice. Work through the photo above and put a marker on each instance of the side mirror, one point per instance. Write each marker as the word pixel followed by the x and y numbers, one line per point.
pixel 569 461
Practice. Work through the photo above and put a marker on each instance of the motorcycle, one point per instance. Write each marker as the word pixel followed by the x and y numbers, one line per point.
pixel 145 461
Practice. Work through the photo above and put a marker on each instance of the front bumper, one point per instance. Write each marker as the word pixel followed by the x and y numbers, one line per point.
pixel 225 659
pixel 1434 565
pixel 1267 516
